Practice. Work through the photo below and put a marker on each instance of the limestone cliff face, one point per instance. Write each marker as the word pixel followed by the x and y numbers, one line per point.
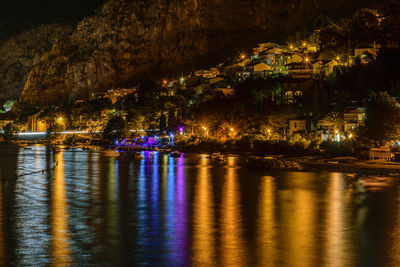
pixel 20 53
pixel 126 40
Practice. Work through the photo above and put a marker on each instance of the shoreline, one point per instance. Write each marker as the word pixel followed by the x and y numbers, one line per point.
pixel 356 166
pixel 308 163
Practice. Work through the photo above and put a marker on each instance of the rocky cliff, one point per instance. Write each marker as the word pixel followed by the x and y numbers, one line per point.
pixel 20 53
pixel 127 40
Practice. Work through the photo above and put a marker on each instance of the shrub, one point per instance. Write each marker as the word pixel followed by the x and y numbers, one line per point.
pixel 10 130
pixel 335 149
pixel 116 128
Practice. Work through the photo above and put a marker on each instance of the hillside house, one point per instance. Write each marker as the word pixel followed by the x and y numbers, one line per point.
pixel 296 87
pixel 324 67
pixel 298 126
pixel 353 118
pixel 302 70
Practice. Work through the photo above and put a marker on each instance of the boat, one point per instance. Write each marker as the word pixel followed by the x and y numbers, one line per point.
pixel 111 153
pixel 139 156
pixel 375 183
pixel 218 157
pixel 176 154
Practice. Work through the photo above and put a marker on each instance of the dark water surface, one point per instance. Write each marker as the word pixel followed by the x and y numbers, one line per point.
pixel 161 211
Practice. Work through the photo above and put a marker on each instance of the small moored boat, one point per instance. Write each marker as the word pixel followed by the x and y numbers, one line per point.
pixel 176 154
pixel 111 153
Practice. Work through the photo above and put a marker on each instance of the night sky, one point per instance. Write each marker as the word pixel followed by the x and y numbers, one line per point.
pixel 18 15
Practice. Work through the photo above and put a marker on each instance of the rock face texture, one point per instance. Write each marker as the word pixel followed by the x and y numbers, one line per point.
pixel 20 53
pixel 127 40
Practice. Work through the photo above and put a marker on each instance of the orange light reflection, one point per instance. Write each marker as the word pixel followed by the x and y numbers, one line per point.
pixel 266 222
pixel 232 245
pixel 203 236
pixel 59 218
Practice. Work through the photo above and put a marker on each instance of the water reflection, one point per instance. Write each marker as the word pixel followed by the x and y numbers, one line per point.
pixel 3 252
pixel 336 245
pixel 394 252
pixel 267 239
pixel 232 245
pixel 203 218
pixel 162 211
pixel 298 220
pixel 60 250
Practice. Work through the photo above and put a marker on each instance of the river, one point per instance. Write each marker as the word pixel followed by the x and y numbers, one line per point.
pixel 86 209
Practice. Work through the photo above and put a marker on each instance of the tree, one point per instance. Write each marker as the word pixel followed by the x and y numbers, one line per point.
pixel 382 121
pixel 116 128
pixel 333 119
pixel 163 122
pixel 10 130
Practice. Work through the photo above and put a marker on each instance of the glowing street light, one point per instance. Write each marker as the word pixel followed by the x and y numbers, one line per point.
pixel 304 43
pixel 232 130
pixel 205 130
pixel 307 59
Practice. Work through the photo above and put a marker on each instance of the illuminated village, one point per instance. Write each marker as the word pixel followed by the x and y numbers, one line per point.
pixel 270 98
pixel 200 133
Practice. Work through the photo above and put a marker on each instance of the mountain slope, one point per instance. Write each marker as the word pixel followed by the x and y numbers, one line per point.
pixel 20 53
pixel 127 40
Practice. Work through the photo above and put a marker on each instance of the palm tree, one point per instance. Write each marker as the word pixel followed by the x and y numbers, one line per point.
pixel 333 119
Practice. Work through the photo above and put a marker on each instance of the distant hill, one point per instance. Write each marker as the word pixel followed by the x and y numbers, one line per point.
pixel 127 40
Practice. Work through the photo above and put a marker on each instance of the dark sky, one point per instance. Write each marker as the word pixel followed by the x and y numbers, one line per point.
pixel 18 15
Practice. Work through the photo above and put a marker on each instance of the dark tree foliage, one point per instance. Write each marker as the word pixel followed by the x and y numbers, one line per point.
pixel 163 122
pixel 360 80
pixel 383 117
pixel 10 130
pixel 116 128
